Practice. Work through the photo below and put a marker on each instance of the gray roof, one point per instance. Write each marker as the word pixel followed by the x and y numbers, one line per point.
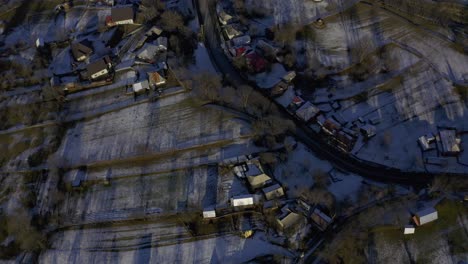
pixel 426 211
pixel 96 66
pixel 81 48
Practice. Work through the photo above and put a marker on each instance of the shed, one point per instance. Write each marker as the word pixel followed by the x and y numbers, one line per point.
pixel 242 200
pixel 409 229
pixel 272 192
pixel 368 130
pixel 209 213
pixel 224 18
pixel 141 87
pixel 425 143
pixel 425 216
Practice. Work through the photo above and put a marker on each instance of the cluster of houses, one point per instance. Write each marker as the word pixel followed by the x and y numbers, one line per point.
pixel 268 196
pixel 340 132
pixel 447 143
pixel 420 218
pixel 256 54
pixel 93 70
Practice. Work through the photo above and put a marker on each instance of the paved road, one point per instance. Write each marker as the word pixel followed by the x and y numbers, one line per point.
pixel 207 13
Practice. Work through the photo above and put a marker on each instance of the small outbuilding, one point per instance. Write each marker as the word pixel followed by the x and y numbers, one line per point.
pixel 368 130
pixel 242 200
pixel 209 213
pixel 409 229
pixel 140 87
pixel 425 216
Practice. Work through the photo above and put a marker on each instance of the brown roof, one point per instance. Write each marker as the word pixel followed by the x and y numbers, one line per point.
pixel 81 48
pixel 96 66
pixel 121 14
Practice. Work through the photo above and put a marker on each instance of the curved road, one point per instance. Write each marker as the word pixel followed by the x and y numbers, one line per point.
pixel 207 15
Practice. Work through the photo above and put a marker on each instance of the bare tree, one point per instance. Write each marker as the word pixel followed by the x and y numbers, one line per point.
pixel 171 21
pixel 245 93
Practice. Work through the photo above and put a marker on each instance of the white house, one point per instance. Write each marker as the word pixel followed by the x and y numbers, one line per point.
pixel 242 200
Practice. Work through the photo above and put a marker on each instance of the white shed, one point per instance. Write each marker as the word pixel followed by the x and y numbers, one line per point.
pixel 209 213
pixel 409 229
pixel 140 86
pixel 242 200
pixel 426 216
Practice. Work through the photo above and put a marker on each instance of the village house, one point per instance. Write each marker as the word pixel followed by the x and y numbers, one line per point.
pixel 296 102
pixel 273 192
pixel 149 51
pixel 99 69
pixel 81 50
pixel 232 30
pixel 239 51
pixel 288 221
pixel 449 142
pixel 140 87
pixel 242 200
pixel 256 177
pixel 346 141
pixel 223 16
pixel 120 16
pixel 425 216
pixel 330 127
pixel 255 62
pixel 321 219
pixel 409 229
pixel 241 41
pixel 307 111
pixel 156 79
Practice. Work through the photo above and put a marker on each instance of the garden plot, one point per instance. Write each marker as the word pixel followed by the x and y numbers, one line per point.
pixel 170 124
pixel 133 196
pixel 149 244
